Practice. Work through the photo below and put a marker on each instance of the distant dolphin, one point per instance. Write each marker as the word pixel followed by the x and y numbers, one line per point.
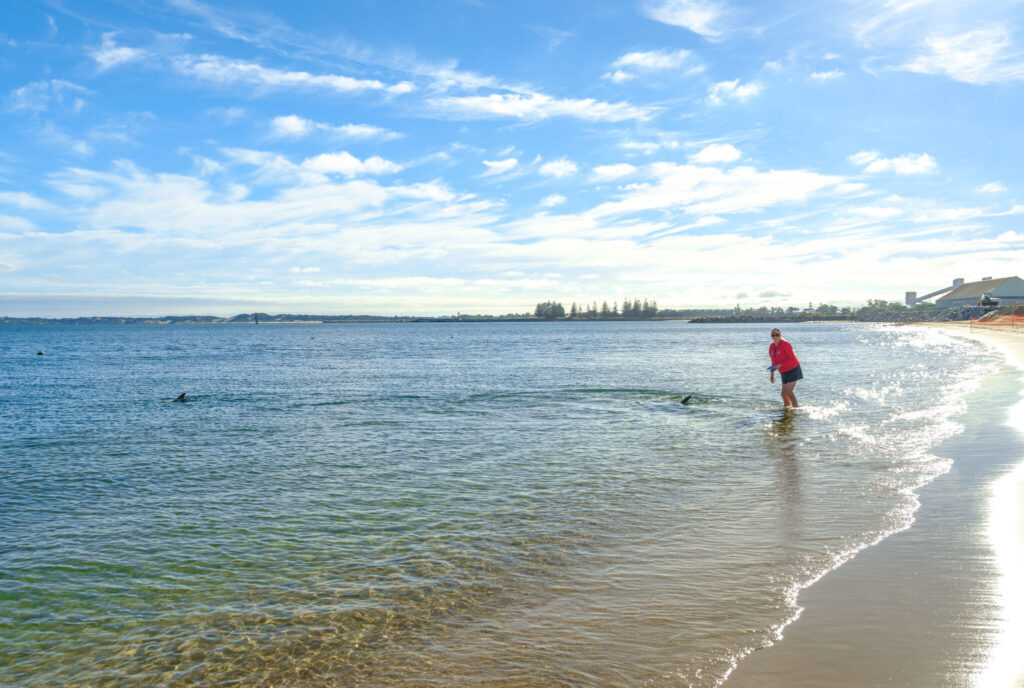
pixel 685 399
pixel 181 398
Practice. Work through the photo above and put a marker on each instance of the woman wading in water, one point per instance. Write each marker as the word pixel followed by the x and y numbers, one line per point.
pixel 784 360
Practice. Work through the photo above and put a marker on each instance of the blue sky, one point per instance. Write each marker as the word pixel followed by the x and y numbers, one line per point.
pixel 480 156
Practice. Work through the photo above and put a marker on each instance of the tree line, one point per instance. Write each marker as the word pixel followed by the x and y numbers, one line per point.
pixel 632 309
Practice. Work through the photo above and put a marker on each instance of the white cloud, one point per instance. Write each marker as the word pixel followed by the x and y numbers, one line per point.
pixel 293 126
pixel 704 190
pixel 25 201
pixel 228 114
pixel 10 223
pixel 827 76
pixel 347 164
pixel 950 215
pixel 655 60
pixel 991 187
pixel 905 164
pixel 715 153
pixel 109 54
pixel 39 96
pixel 558 169
pixel 552 200
pixel 536 106
pixel 619 76
pixel 604 173
pixel 732 90
pixel 206 166
pixel 227 72
pixel 495 167
pixel 298 270
pixel 700 16
pixel 274 169
pixel 875 212
pixel 394 243
pixel 649 147
pixel 976 57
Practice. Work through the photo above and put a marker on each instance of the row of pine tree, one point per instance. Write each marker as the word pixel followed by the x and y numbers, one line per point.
pixel 634 309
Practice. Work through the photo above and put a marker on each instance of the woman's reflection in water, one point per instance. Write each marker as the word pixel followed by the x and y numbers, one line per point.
pixel 782 442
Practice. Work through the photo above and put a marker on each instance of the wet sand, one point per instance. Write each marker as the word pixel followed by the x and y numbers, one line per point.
pixel 936 604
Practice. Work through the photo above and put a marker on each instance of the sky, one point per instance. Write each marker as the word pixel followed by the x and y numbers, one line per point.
pixel 433 157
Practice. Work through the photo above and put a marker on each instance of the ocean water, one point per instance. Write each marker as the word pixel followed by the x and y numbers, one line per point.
pixel 493 504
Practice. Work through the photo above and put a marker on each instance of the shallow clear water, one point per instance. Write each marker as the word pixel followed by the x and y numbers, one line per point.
pixel 466 504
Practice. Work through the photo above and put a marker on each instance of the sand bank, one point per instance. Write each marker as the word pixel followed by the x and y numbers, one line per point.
pixel 938 604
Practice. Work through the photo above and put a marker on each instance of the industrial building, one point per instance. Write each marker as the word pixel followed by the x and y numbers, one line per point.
pixel 1008 290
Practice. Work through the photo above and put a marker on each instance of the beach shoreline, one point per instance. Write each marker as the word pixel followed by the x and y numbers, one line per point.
pixel 1006 521
pixel 934 604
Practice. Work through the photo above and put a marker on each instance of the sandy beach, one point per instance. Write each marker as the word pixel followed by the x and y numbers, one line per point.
pixel 937 604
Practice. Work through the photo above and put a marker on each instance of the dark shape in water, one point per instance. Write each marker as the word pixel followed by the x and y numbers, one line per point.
pixel 685 399
pixel 181 398
pixel 40 353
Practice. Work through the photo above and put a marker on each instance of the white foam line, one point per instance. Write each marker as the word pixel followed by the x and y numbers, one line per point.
pixel 793 594
pixel 1005 665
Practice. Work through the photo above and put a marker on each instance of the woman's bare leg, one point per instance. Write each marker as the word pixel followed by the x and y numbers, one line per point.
pixel 788 397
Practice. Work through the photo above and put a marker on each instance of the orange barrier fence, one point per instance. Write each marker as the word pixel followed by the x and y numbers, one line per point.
pixel 1014 321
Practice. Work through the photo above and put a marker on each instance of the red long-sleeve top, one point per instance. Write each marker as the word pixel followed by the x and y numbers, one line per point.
pixel 782 355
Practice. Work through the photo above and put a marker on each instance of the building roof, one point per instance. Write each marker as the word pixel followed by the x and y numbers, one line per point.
pixel 974 290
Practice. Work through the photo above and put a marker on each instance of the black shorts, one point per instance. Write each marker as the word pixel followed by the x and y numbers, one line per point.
pixel 792 375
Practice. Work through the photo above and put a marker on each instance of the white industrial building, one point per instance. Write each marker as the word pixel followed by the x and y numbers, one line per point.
pixel 1009 291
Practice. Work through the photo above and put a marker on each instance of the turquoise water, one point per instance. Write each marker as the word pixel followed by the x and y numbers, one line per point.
pixel 503 504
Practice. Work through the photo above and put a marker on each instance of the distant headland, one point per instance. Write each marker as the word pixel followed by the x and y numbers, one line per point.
pixel 547 311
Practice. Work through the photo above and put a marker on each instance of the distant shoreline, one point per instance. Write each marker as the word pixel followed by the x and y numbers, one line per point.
pixel 693 315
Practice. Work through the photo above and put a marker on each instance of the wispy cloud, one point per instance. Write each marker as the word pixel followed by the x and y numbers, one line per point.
pixel 536 106
pixel 295 127
pixel 991 187
pixel 53 134
pixel 827 76
pixel 978 57
pixel 10 223
pixel 950 215
pixel 723 91
pixel 627 66
pixel 273 169
pixel 496 167
pixel 25 201
pixel 552 200
pixel 228 72
pixel 705 190
pixel 649 147
pixel 700 16
pixel 606 173
pixel 716 153
pixel 346 164
pixel 911 163
pixel 875 212
pixel 40 96
pixel 559 169
pixel 887 17
pixel 109 54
